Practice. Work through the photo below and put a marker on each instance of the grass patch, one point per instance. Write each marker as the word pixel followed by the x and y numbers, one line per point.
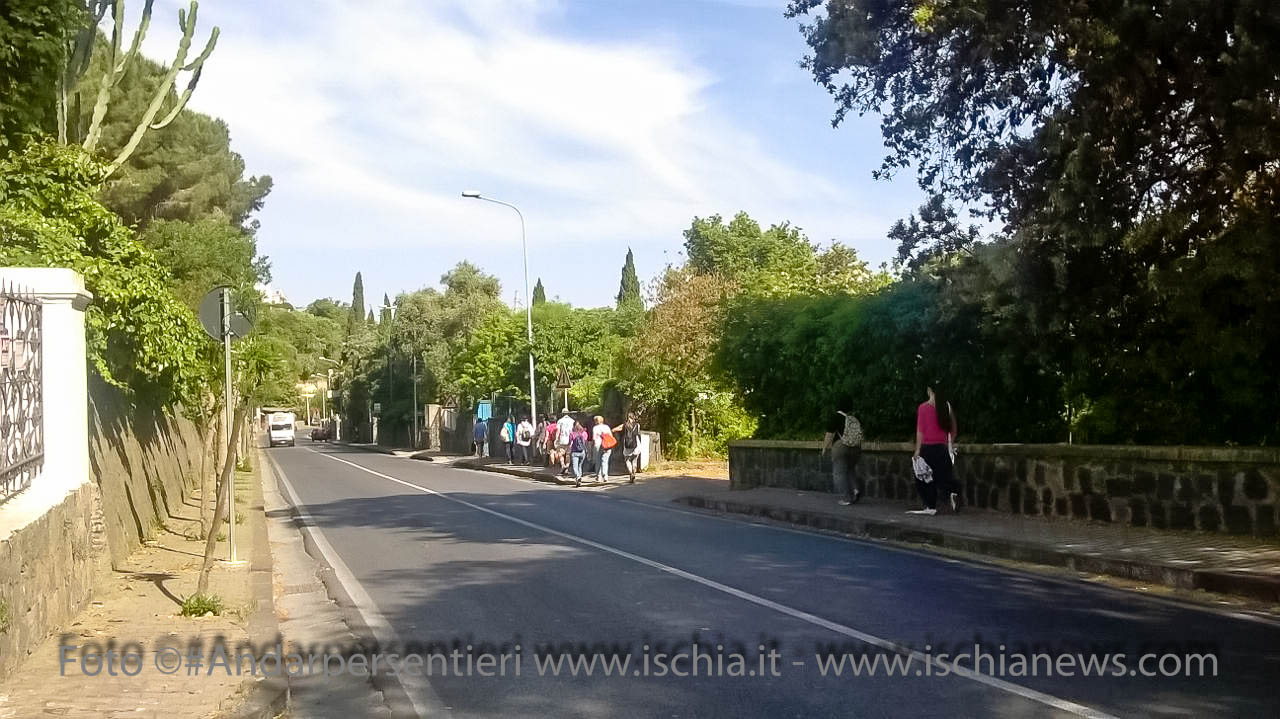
pixel 198 605
pixel 221 537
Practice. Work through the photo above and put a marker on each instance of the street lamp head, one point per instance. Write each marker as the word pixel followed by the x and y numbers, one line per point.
pixel 473 194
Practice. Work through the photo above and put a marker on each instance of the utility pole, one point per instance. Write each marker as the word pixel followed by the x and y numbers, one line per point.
pixel 413 442
pixel 229 393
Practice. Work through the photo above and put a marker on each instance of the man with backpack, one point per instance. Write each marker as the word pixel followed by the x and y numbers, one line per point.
pixel 844 439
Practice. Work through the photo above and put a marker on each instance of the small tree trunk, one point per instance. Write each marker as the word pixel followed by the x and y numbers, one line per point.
pixel 220 507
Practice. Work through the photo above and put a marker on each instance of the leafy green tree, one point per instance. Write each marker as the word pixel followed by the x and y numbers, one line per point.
pixel 539 294
pixel 779 260
pixel 1128 149
pixel 936 234
pixel 330 308
pixel 583 341
pixel 140 336
pixel 629 286
pixel 305 336
pixel 484 363
pixel 666 369
pixel 841 271
pixel 33 36
pixel 202 255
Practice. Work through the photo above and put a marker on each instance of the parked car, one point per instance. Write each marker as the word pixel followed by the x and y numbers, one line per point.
pixel 319 434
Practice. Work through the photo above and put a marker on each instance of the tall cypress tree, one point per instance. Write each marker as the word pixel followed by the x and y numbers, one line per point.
pixel 539 293
pixel 629 289
pixel 357 305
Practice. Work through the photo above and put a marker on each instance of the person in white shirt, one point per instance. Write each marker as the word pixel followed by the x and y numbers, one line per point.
pixel 564 428
pixel 524 439
pixel 603 441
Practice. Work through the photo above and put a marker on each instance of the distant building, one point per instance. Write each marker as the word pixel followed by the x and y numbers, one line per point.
pixel 271 295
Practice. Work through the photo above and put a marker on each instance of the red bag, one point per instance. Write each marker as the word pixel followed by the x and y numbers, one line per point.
pixel 608 441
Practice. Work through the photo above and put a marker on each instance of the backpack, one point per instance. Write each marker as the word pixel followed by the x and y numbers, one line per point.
pixel 852 434
pixel 525 433
pixel 631 437
pixel 506 433
pixel 577 443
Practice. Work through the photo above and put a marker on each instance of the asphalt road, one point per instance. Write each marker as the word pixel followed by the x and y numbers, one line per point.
pixel 450 558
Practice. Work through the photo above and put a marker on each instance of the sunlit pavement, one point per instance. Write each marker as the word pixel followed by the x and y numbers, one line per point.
pixel 454 557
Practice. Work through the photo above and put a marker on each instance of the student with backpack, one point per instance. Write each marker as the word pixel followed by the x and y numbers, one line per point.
pixel 524 440
pixel 577 446
pixel 630 432
pixel 844 439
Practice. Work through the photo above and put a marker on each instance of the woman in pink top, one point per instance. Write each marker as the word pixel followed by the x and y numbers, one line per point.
pixel 935 425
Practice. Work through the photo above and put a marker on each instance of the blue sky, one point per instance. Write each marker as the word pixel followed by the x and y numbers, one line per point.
pixel 611 123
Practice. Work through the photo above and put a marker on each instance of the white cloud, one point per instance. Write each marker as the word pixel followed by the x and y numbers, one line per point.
pixel 386 109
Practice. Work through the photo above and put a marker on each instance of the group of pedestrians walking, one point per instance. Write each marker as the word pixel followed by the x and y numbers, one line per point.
pixel 566 444
pixel 932 461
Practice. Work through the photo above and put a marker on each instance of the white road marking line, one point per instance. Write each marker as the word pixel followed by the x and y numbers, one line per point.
pixel 1047 699
pixel 423 698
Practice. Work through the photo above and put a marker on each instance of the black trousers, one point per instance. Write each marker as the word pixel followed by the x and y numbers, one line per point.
pixel 944 475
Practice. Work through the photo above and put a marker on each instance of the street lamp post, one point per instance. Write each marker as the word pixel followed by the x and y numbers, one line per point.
pixel 528 303
pixel 391 373
pixel 328 387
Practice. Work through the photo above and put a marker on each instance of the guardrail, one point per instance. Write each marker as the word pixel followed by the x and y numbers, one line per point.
pixel 21 391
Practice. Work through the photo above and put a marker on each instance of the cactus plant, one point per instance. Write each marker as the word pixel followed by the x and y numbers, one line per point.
pixel 118 61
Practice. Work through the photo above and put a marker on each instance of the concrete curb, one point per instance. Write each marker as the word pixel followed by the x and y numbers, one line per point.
pixel 1253 586
pixel 534 474
pixel 267 697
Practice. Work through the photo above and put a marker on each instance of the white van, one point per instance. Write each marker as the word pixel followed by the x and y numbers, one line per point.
pixel 280 428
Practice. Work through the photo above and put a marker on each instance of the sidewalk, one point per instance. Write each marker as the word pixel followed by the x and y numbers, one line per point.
pixel 138 604
pixel 1240 566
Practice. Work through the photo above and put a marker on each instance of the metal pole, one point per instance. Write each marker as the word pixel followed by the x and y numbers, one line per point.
pixel 230 417
pixel 528 316
pixel 413 442
pixel 528 300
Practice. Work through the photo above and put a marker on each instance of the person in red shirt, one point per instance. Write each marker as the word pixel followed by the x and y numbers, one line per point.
pixel 935 433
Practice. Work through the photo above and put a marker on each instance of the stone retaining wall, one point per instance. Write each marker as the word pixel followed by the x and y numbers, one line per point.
pixel 48 571
pixel 145 466
pixel 1211 489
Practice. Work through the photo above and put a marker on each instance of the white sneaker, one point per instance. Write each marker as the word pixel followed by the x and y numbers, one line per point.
pixel 955 502
pixel 844 503
pixel 929 512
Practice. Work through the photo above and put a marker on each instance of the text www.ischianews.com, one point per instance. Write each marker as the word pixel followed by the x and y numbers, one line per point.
pixel 692 660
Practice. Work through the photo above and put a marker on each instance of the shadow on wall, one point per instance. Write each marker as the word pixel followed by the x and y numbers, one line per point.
pixel 145 463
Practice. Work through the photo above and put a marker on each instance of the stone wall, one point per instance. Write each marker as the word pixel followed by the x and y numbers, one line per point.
pixel 145 465
pixel 1212 489
pixel 48 571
